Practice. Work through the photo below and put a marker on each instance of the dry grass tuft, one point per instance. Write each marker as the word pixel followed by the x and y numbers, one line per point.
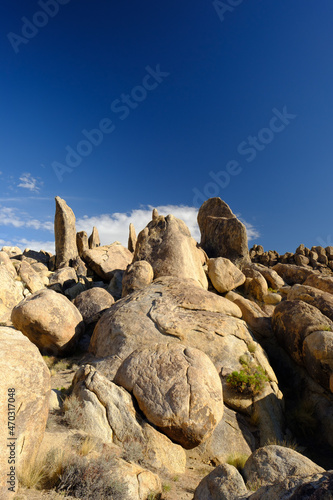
pixel 237 460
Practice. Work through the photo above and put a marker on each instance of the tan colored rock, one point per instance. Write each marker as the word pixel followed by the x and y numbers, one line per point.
pixel 321 300
pixel 107 412
pixel 222 234
pixel 137 276
pixel 167 245
pixel 138 482
pixel 64 233
pixel 323 283
pixel 11 293
pixel 30 277
pixel 223 483
pixel 293 321
pixel 318 357
pixel 115 287
pixel 93 303
pixel 7 263
pixel 50 321
pixel 62 279
pixel 12 251
pixel 131 238
pixel 180 393
pixel 272 298
pixel 26 379
pixel 255 317
pixel 82 242
pixel 273 279
pixel 224 275
pixel 292 274
pixel 94 240
pixel 231 435
pixel 301 260
pixel 107 259
pixel 273 463
pixel 255 286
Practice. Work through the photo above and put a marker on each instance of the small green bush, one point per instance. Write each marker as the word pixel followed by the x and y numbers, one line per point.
pixel 238 460
pixel 250 379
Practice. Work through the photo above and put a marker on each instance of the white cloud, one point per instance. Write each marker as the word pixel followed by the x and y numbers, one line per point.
pixel 36 245
pixel 114 227
pixel 13 217
pixel 29 182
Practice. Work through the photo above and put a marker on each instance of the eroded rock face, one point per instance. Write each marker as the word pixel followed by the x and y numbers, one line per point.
pixel 177 388
pixel 223 483
pixel 137 276
pixel 222 234
pixel 106 260
pixel 107 412
pixel 24 370
pixel 317 298
pixel 167 245
pixel 93 303
pixel 131 238
pixel 293 321
pixel 94 240
pixel 65 234
pixel 11 293
pixel 50 321
pixel 224 275
pixel 273 463
pixel 324 283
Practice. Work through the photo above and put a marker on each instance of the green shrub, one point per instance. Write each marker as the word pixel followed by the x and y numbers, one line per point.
pixel 237 460
pixel 250 379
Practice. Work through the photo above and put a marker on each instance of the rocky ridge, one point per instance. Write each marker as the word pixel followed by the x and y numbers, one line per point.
pixel 189 357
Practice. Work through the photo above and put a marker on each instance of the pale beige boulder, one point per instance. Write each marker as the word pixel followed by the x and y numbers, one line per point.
pixel 24 370
pixel 177 388
pixel 11 293
pixel 31 279
pixel 138 483
pixel 94 240
pixel 222 234
pixel 132 238
pixel 224 275
pixel 107 412
pixel 271 464
pixel 318 357
pixel 323 283
pixel 293 321
pixel 106 260
pixel 93 303
pixel 273 279
pixel 62 279
pixel 137 276
pixel 65 234
pixel 223 483
pixel 50 321
pixel 292 274
pixel 82 242
pixel 167 245
pixel 313 296
pixel 7 263
pixel 12 251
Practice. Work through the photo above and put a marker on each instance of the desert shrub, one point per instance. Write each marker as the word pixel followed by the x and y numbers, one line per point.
pixel 133 451
pixel 302 419
pixel 237 460
pixel 250 379
pixel 73 413
pixel 166 487
pixel 88 444
pixel 252 347
pixel 287 443
pixel 272 290
pixel 323 328
pixel 45 471
pixel 91 479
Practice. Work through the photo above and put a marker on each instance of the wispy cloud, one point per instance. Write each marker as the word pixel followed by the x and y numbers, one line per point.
pixel 30 183
pixel 10 216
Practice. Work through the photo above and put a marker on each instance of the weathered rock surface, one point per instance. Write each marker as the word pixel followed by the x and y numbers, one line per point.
pixel 223 483
pixel 324 283
pixel 93 303
pixel 7 263
pixel 82 242
pixel 224 275
pixel 231 435
pixel 222 234
pixel 177 388
pixel 11 293
pixel 31 279
pixel 50 321
pixel 293 321
pixel 167 245
pixel 273 463
pixel 273 279
pixel 107 259
pixel 317 298
pixel 26 378
pixel 258 321
pixel 64 233
pixel 63 279
pixel 137 276
pixel 107 412
pixel 131 238
pixel 293 274
pixel 94 240
pixel 318 357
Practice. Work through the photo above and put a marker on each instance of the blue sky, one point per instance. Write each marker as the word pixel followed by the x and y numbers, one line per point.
pixel 119 107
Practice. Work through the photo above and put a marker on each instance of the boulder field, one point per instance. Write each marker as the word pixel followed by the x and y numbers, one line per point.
pixel 187 356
